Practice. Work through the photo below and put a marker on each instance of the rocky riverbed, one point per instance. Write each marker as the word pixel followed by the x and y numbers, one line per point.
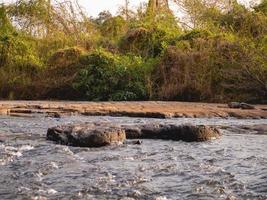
pixel 234 166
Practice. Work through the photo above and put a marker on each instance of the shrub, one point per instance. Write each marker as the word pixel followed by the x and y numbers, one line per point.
pixel 59 74
pixel 108 76
pixel 220 68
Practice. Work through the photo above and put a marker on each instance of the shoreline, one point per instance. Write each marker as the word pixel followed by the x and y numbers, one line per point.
pixel 147 109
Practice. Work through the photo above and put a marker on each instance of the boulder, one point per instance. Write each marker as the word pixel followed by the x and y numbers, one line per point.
pixel 247 106
pixel 86 135
pixel 187 133
pixel 102 134
pixel 241 105
pixel 234 105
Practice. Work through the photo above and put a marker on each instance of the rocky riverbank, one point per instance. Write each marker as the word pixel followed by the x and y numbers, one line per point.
pixel 130 109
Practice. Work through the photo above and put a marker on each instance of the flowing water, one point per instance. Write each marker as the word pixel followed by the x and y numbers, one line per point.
pixel 233 167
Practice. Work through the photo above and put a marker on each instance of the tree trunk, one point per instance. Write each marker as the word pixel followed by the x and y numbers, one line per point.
pixel 157 5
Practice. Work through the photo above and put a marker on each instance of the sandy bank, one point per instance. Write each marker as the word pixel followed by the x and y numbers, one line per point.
pixel 149 109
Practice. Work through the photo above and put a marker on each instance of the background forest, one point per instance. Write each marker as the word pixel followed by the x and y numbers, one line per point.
pixel 216 52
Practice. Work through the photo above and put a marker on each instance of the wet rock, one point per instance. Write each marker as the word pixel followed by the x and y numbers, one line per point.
pixel 247 106
pixel 105 133
pixel 2 139
pixel 260 129
pixel 86 135
pixel 54 115
pixel 138 142
pixel 234 105
pixel 21 111
pixel 188 133
pixel 238 105
pixel 157 115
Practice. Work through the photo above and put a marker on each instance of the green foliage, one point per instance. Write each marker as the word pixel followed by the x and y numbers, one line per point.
pixel 245 22
pixel 149 36
pixel 262 7
pixel 113 27
pixel 216 53
pixel 214 68
pixel 108 76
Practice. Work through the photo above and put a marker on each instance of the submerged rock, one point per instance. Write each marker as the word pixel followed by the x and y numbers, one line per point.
pixel 102 134
pixel 2 139
pixel 86 135
pixel 187 133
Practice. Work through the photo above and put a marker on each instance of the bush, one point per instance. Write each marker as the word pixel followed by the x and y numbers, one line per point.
pixel 107 76
pixel 220 68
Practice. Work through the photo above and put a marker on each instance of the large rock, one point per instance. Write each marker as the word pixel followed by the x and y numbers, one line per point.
pixel 241 105
pixel 86 135
pixel 188 133
pixel 102 134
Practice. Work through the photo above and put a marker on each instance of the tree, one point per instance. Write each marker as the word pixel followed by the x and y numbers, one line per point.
pixel 156 6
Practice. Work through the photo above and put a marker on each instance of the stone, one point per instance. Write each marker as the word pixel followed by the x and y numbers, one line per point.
pixel 54 115
pixel 2 138
pixel 234 105
pixel 187 133
pixel 86 135
pixel 247 106
pixel 241 105
pixel 104 133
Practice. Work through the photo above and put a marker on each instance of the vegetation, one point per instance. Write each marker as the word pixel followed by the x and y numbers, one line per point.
pixel 216 53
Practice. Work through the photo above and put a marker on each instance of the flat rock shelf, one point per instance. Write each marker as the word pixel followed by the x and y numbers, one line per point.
pixel 148 109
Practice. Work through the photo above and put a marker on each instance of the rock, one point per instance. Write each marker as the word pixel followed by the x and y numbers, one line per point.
pixel 241 105
pixel 2 138
pixel 21 110
pixel 188 133
pixel 86 135
pixel 102 133
pixel 54 115
pixel 247 106
pixel 157 115
pixel 4 111
pixel 138 142
pixel 260 129
pixel 234 105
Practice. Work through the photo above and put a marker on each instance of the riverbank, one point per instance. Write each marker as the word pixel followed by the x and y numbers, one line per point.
pixel 149 109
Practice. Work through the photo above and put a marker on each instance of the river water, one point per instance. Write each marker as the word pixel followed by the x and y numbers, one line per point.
pixel 233 167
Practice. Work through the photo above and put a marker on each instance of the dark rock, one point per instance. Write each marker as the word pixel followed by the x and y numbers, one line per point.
pixel 86 135
pixel 19 110
pixel 157 115
pixel 188 133
pixel 234 105
pixel 241 105
pixel 54 115
pixel 133 142
pixel 104 133
pixel 2 138
pixel 138 142
pixel 247 106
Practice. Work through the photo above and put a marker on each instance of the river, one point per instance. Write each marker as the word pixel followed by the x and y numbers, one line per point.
pixel 232 167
